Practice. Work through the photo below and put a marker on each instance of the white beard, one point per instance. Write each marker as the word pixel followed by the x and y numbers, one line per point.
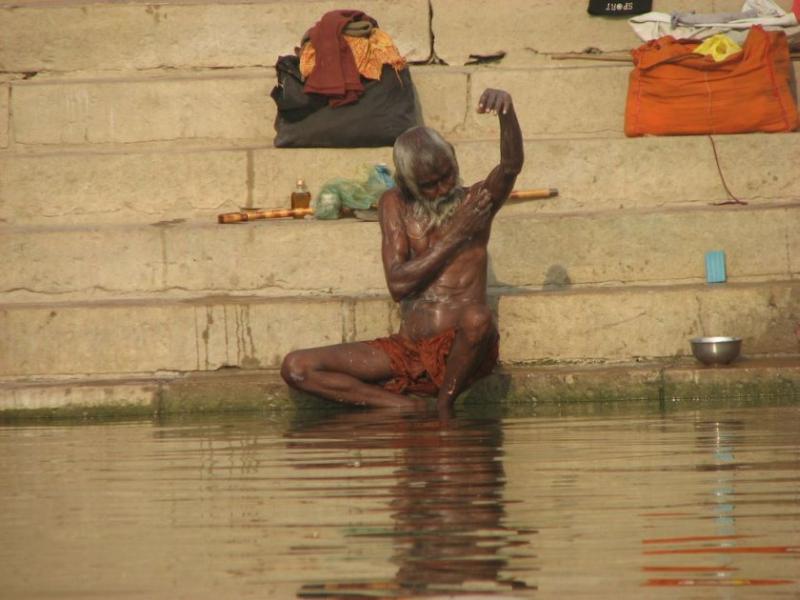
pixel 437 212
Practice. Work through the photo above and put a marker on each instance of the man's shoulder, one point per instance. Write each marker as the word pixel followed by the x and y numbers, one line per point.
pixel 392 195
pixel 392 202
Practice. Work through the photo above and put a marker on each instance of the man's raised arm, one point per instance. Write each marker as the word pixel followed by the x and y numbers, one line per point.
pixel 501 180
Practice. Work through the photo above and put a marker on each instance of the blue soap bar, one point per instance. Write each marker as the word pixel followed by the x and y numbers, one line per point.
pixel 715 267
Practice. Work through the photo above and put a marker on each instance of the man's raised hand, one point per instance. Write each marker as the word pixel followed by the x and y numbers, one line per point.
pixel 473 216
pixel 495 101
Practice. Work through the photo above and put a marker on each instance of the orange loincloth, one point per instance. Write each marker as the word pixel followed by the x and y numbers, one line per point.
pixel 418 367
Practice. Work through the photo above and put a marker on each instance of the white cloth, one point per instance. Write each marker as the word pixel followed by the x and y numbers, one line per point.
pixel 653 25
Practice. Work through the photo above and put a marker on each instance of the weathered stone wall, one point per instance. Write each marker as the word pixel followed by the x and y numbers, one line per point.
pixel 85 36
pixel 126 127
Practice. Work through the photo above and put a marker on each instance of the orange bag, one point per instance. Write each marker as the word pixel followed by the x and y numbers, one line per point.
pixel 673 91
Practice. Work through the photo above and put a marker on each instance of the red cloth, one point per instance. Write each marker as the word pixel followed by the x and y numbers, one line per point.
pixel 335 73
pixel 418 366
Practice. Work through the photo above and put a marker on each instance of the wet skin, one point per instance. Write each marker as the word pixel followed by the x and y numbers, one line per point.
pixel 438 274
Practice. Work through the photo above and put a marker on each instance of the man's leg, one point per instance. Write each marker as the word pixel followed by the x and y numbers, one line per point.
pixel 474 333
pixel 344 373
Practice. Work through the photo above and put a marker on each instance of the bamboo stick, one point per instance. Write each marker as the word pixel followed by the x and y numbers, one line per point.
pixel 584 56
pixel 538 194
pixel 280 213
pixel 256 215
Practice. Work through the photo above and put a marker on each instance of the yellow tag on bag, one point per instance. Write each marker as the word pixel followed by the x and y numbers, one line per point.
pixel 719 47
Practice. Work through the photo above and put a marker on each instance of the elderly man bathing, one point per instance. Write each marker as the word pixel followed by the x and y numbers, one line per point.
pixel 434 247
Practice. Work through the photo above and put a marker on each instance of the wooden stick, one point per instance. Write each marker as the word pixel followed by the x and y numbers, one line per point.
pixel 519 195
pixel 585 56
pixel 255 215
pixel 280 213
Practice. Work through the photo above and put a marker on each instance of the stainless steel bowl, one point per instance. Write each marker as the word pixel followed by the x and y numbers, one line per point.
pixel 716 350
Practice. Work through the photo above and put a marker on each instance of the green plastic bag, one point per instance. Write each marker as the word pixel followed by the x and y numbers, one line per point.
pixel 348 193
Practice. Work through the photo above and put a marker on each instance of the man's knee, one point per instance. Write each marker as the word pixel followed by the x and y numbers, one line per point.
pixel 295 368
pixel 477 323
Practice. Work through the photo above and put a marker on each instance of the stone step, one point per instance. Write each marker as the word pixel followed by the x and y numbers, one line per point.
pixel 205 334
pixel 97 110
pixel 167 75
pixel 530 30
pixel 127 36
pixel 680 382
pixel 287 258
pixel 158 183
pixel 134 35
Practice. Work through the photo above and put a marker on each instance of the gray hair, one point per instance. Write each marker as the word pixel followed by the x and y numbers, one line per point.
pixel 418 146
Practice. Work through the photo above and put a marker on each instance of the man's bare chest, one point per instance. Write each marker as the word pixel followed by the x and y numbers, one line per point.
pixel 421 236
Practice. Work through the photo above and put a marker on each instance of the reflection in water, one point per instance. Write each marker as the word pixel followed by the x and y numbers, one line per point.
pixel 575 503
pixel 449 523
pixel 718 438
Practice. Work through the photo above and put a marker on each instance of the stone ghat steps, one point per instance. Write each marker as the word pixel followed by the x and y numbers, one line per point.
pixel 93 109
pixel 288 258
pixel 98 74
pixel 163 183
pixel 65 36
pixel 126 127
pixel 529 30
pixel 205 334
pixel 79 35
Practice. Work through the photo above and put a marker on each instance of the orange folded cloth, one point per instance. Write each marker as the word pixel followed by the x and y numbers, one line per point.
pixel 370 54
pixel 674 91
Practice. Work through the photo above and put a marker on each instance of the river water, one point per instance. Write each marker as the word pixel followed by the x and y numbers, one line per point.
pixel 621 501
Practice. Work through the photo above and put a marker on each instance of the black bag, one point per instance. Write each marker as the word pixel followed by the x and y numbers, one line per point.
pixel 619 8
pixel 385 110
pixel 293 103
